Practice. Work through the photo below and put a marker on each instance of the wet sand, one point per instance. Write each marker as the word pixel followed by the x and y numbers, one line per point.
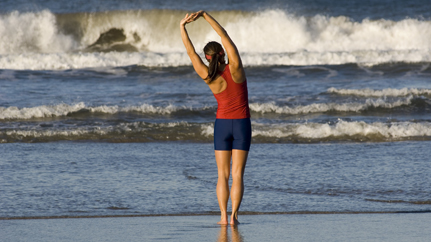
pixel 284 227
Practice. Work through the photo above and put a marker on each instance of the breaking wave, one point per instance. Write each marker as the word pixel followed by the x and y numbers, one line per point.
pixel 329 107
pixel 63 110
pixel 202 132
pixel 381 93
pixel 44 40
pixel 342 131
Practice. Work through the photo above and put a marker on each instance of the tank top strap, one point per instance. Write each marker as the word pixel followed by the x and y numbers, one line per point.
pixel 226 74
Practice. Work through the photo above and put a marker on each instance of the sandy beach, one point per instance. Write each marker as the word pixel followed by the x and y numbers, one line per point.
pixel 287 227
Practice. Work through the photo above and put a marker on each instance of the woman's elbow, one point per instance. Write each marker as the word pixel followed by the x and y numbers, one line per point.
pixel 191 52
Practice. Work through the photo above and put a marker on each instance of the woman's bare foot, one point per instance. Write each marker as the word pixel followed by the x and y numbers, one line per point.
pixel 223 220
pixel 233 220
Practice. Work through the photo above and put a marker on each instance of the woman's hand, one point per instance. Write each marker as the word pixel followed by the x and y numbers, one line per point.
pixel 188 19
pixel 199 14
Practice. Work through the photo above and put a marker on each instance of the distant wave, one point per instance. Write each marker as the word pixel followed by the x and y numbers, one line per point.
pixel 44 111
pixel 328 107
pixel 79 60
pixel 123 132
pixel 62 110
pixel 43 40
pixel 268 31
pixel 82 60
pixel 380 93
pixel 343 131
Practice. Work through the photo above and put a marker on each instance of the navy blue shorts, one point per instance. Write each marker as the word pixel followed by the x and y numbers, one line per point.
pixel 232 134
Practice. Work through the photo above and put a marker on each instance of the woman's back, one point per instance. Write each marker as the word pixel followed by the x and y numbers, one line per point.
pixel 233 100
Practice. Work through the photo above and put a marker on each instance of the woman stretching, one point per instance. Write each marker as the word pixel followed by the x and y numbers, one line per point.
pixel 232 128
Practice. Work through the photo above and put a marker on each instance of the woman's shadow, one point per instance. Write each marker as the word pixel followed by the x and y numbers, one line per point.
pixel 234 234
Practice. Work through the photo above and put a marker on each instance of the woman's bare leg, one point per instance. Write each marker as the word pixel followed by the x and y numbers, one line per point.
pixel 223 166
pixel 239 160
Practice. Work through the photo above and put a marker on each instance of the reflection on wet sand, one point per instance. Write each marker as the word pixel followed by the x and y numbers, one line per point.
pixel 224 236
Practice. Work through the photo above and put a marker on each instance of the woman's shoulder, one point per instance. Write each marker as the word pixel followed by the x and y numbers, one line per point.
pixel 237 74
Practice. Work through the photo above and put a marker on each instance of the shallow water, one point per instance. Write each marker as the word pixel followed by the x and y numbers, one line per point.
pixel 88 179
pixel 323 227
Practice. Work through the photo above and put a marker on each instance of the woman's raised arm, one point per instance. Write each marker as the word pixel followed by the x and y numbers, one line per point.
pixel 235 62
pixel 198 65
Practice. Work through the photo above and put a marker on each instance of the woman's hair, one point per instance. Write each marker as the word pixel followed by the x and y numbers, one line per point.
pixel 214 53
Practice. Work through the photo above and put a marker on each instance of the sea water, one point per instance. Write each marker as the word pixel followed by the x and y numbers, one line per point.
pixel 101 112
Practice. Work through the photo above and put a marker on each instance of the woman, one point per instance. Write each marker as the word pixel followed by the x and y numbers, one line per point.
pixel 232 128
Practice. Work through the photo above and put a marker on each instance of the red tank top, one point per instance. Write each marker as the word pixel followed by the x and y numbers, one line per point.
pixel 233 101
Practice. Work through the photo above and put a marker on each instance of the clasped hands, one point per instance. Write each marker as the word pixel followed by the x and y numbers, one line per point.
pixel 191 17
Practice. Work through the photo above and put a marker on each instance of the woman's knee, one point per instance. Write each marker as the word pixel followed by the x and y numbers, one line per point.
pixel 223 177
pixel 237 175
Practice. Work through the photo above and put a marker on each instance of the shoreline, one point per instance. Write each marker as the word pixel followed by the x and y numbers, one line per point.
pixel 245 213
pixel 269 227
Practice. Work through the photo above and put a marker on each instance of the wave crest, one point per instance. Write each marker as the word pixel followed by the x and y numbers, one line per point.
pixel 32 32
pixel 329 107
pixel 343 131
pixel 62 110
pixel 380 93
pixel 202 132
pixel 40 111
pixel 151 38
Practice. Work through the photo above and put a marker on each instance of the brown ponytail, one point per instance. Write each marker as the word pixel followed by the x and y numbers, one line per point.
pixel 214 53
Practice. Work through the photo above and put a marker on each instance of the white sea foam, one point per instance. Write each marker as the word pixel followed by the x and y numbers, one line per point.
pixel 78 60
pixel 144 108
pixel 32 32
pixel 327 107
pixel 51 133
pixel 43 40
pixel 46 111
pixel 344 129
pixel 341 130
pixel 207 129
pixel 380 93
pixel 338 130
pixel 40 111
pixel 64 61
pixel 277 31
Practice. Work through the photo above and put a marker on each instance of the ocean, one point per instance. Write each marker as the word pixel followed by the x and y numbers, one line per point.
pixel 102 114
